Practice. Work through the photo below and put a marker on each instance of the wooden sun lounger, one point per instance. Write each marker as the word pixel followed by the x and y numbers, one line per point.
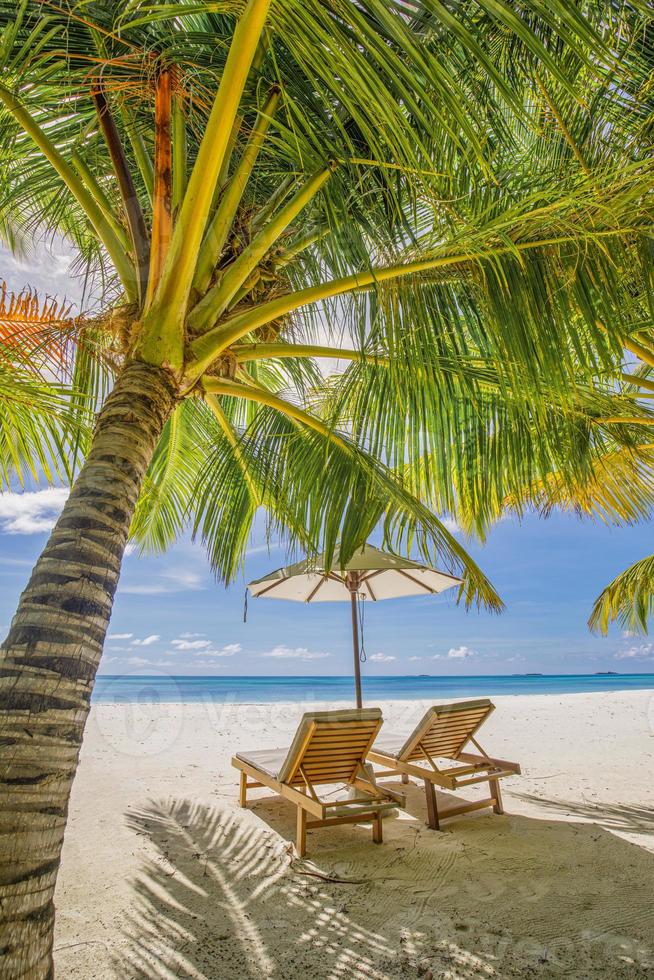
pixel 329 747
pixel 443 734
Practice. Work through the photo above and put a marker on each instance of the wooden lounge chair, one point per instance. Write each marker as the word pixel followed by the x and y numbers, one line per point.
pixel 329 747
pixel 442 735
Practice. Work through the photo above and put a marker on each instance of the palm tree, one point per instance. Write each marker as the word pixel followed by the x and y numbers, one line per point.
pixel 244 183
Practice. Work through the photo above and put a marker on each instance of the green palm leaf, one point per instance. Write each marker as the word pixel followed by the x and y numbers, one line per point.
pixel 628 599
pixel 321 492
pixel 44 420
pixel 479 239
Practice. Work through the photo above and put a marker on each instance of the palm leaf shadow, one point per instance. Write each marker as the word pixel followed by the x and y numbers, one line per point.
pixel 219 899
pixel 624 817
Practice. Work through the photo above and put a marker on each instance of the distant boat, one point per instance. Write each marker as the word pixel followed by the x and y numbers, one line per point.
pixel 533 675
pixel 607 673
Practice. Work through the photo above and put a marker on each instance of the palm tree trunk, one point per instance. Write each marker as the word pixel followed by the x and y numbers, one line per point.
pixel 49 660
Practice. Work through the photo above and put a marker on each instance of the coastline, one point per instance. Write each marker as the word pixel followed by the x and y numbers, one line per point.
pixel 262 689
pixel 163 873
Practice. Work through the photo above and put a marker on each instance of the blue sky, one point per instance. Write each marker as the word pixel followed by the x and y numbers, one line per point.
pixel 171 616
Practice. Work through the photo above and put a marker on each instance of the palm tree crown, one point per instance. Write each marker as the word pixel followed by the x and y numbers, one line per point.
pixel 454 200
pixel 244 203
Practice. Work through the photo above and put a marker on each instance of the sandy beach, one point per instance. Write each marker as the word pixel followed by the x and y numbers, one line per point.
pixel 164 876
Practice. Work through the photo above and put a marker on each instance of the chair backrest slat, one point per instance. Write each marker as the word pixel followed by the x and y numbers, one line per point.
pixel 330 746
pixel 445 729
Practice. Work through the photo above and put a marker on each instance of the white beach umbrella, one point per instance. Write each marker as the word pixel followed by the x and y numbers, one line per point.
pixel 369 574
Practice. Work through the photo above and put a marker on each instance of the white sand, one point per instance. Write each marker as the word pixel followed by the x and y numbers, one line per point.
pixel 164 876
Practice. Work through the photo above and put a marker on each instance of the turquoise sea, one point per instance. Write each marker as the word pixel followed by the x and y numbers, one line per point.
pixel 133 688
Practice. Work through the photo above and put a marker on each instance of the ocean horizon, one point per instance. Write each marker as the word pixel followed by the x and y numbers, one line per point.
pixel 265 689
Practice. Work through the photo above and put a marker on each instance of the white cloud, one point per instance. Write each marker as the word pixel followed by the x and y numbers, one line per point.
pixel 147 641
pixel 184 578
pixel 450 525
pixel 145 589
pixel 381 658
pixel 457 653
pixel 460 653
pixel 120 636
pixel 32 511
pixel 261 548
pixel 643 651
pixel 227 651
pixel 180 580
pixel 231 649
pixel 415 658
pixel 294 653
pixel 146 662
pixel 190 636
pixel 47 268
pixel 191 644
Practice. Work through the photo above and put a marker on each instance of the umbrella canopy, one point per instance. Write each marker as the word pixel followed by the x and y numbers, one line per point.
pixel 369 574
pixel 375 574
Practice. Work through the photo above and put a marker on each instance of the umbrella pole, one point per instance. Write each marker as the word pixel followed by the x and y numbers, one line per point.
pixel 355 646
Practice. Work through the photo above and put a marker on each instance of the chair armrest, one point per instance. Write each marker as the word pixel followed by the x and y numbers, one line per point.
pixel 500 763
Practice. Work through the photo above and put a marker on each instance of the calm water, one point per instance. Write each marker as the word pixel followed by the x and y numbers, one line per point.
pixel 113 689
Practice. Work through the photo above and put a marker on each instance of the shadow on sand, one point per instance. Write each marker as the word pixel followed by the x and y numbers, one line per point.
pixel 622 817
pixel 221 897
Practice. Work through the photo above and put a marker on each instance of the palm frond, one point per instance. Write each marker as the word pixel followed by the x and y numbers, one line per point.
pixel 483 241
pixel 618 487
pixel 36 424
pixel 628 599
pixel 42 420
pixel 32 327
pixel 321 492
pixel 162 512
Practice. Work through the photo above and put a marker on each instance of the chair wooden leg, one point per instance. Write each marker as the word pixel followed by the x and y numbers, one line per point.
pixel 496 793
pixel 377 832
pixel 243 792
pixel 405 778
pixel 432 806
pixel 301 832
